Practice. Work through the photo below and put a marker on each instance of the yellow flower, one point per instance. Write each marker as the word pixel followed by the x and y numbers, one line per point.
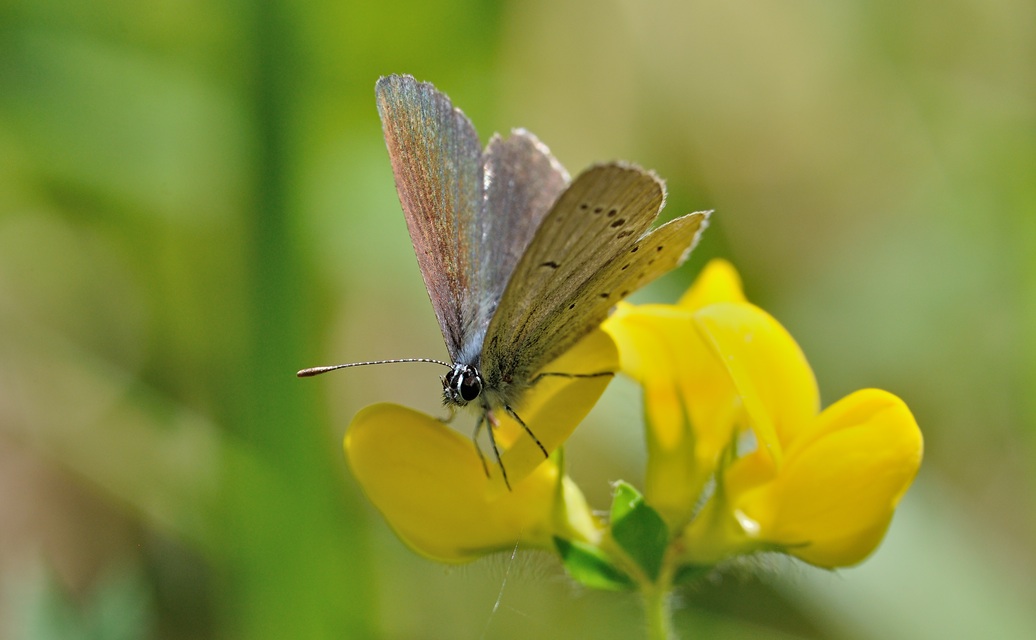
pixel 429 482
pixel 819 485
pixel 690 411
pixel 832 498
pixel 731 406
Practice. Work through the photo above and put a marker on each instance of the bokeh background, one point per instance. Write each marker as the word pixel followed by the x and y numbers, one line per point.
pixel 196 201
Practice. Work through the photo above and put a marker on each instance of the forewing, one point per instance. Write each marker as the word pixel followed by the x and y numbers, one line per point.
pixel 437 162
pixel 522 181
pixel 592 250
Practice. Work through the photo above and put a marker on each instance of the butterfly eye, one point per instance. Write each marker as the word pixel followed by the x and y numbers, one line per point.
pixel 471 385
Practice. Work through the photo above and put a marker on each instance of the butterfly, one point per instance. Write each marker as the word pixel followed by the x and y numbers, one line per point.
pixel 519 261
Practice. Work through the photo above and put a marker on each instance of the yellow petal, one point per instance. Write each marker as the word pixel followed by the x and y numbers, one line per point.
pixel 835 494
pixel 689 402
pixel 718 282
pixel 428 482
pixel 555 406
pixel 769 370
pixel 645 336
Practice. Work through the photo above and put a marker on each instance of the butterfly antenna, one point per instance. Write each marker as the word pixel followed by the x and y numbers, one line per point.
pixel 315 371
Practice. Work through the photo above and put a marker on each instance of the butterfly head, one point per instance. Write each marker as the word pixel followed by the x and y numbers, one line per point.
pixel 462 384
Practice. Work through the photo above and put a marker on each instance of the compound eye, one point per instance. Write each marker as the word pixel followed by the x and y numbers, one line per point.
pixel 470 386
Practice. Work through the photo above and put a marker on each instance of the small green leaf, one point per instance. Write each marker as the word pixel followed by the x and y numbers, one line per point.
pixel 625 498
pixel 638 529
pixel 590 566
pixel 690 573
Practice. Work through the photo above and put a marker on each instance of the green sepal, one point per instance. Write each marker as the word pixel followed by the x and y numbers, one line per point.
pixel 638 529
pixel 590 566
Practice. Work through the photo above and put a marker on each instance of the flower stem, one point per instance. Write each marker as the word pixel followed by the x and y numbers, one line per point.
pixel 658 612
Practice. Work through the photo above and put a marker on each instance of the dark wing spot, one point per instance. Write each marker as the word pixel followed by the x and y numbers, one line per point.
pixel 634 249
pixel 618 223
pixel 584 206
pixel 623 234
pixel 551 264
pixel 624 294
pixel 611 214
pixel 625 266
pixel 572 306
pixel 605 295
pixel 598 209
pixel 659 248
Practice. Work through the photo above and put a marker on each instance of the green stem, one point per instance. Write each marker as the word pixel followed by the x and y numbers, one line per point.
pixel 658 612
pixel 655 594
pixel 295 561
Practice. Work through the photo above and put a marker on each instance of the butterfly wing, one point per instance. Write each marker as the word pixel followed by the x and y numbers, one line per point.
pixel 437 162
pixel 470 214
pixel 592 250
pixel 522 181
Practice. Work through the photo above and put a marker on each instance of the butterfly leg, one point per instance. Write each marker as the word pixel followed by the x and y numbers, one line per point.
pixel 474 440
pixel 532 435
pixel 571 375
pixel 488 416
pixel 453 414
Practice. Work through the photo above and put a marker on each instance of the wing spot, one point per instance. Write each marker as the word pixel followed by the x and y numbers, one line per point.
pixel 618 223
pixel 598 209
pixel 634 249
pixel 611 214
pixel 584 206
pixel 659 248
pixel 572 306
pixel 625 266
pixel 624 294
pixel 551 264
pixel 623 234
pixel 605 295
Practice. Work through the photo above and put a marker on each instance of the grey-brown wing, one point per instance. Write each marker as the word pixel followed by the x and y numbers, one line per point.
pixel 592 250
pixel 437 162
pixel 522 181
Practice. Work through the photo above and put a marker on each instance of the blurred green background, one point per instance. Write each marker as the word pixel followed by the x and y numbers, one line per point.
pixel 196 201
